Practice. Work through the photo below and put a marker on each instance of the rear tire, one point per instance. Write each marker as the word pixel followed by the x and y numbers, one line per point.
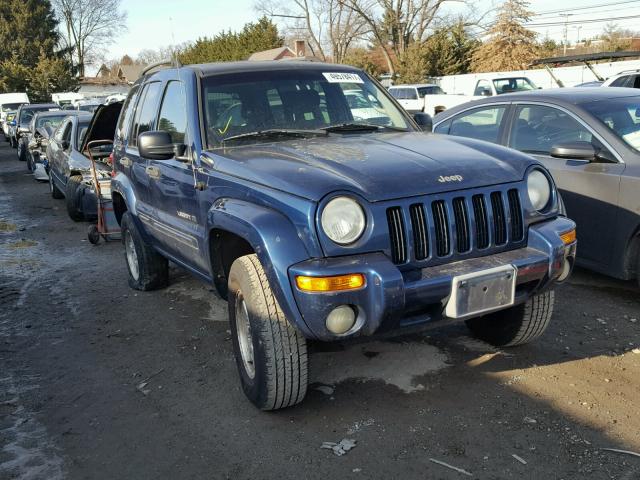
pixel 517 325
pixel 73 207
pixel 148 270
pixel 271 354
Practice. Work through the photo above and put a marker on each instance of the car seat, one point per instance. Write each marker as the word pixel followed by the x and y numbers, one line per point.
pixel 302 108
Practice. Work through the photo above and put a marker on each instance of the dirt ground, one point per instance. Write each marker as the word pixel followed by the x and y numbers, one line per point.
pixel 100 382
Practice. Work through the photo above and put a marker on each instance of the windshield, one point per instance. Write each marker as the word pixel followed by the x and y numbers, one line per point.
pixel 508 85
pixel 11 106
pixel 10 116
pixel 434 90
pixel 298 100
pixel 27 114
pixel 50 123
pixel 621 116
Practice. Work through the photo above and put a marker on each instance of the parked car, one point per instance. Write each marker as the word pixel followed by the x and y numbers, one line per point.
pixel 627 78
pixel 70 174
pixel 7 123
pixel 41 128
pixel 485 87
pixel 89 105
pixel 256 177
pixel 10 102
pixel 589 139
pixel 24 116
pixel 411 96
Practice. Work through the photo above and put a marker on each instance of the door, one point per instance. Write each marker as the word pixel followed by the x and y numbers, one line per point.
pixel 180 231
pixel 143 121
pixel 589 189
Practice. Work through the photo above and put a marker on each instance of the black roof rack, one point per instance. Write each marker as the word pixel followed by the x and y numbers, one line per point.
pixel 168 62
pixel 587 57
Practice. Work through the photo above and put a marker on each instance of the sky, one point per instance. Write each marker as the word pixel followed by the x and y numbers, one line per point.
pixel 158 23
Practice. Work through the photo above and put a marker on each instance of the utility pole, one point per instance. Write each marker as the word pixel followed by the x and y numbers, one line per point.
pixel 566 30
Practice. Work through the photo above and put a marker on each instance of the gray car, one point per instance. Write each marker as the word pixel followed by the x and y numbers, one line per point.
pixel 589 138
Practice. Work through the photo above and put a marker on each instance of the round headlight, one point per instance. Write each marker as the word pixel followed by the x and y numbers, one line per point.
pixel 539 188
pixel 343 220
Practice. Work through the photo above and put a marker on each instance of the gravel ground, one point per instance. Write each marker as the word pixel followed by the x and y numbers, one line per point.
pixel 98 381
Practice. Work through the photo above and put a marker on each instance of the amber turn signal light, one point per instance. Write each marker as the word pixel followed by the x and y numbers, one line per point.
pixel 568 237
pixel 330 284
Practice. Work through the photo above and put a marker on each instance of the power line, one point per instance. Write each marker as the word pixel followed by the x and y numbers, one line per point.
pixel 573 22
pixel 573 9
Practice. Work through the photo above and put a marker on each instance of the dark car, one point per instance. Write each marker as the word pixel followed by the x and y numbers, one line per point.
pixel 24 116
pixel 589 138
pixel 41 128
pixel 257 177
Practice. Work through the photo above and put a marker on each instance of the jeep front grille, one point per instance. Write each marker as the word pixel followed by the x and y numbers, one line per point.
pixel 456 226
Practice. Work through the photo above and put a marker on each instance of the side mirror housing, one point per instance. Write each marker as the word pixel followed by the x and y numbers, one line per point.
pixel 65 144
pixel 157 145
pixel 424 121
pixel 486 92
pixel 574 150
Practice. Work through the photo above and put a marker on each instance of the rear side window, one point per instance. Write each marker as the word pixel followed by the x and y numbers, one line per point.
pixel 173 113
pixel 145 111
pixel 481 123
pixel 127 111
pixel 620 82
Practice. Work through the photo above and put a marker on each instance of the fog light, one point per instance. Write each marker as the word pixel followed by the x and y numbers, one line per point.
pixel 566 270
pixel 341 319
pixel 568 237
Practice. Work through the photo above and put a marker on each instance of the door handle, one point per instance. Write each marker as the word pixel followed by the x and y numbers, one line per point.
pixel 125 162
pixel 153 172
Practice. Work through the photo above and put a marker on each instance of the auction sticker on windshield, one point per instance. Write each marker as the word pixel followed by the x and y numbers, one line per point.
pixel 342 77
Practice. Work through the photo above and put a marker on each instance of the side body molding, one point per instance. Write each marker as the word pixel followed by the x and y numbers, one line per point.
pixel 275 241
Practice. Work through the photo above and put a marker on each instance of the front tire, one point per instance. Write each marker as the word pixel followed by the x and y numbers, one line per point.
pixel 271 354
pixel 517 325
pixel 22 155
pixel 73 206
pixel 148 270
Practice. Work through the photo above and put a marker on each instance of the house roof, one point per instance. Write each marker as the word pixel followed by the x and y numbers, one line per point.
pixel 130 72
pixel 273 54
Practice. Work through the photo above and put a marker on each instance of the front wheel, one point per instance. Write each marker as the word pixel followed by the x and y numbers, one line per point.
pixel 148 270
pixel 271 354
pixel 516 325
pixel 74 209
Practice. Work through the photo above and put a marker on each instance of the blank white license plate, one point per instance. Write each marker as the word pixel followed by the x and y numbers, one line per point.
pixel 482 292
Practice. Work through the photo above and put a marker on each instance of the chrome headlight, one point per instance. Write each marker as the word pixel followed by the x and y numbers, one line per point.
pixel 539 189
pixel 343 220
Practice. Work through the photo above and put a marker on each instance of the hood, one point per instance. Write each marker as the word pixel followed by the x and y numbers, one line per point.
pixel 377 166
pixel 103 124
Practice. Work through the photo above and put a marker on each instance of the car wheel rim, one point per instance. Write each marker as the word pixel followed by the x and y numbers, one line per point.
pixel 243 330
pixel 132 256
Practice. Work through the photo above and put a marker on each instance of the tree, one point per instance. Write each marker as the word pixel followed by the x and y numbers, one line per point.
pixel 510 45
pixel 449 49
pixel 365 59
pixel 615 39
pixel 50 75
pixel 89 26
pixel 400 24
pixel 29 61
pixel 328 26
pixel 230 46
pixel 26 28
pixel 149 56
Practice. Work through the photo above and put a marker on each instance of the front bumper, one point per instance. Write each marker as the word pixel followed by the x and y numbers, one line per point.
pixel 393 299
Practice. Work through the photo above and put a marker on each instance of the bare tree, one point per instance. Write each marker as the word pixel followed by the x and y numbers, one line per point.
pixel 329 26
pixel 395 24
pixel 148 56
pixel 88 26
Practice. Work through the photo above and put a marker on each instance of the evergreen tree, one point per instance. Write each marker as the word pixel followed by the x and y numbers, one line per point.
pixel 510 46
pixel 448 51
pixel 230 46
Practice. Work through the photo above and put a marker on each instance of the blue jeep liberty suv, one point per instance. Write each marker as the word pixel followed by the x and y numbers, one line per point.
pixel 320 210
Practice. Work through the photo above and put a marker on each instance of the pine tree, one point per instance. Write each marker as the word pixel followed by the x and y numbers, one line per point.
pixel 510 46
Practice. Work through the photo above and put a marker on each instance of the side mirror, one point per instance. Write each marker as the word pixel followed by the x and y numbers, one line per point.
pixel 574 150
pixel 157 145
pixel 485 92
pixel 65 144
pixel 424 121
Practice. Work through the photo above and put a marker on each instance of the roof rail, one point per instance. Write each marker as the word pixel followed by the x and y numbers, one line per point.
pixel 168 62
pixel 633 70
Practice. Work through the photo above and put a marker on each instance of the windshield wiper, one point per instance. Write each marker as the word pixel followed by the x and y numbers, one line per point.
pixel 361 127
pixel 275 133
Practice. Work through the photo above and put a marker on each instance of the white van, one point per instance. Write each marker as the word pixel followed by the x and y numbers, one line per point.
pixel 11 101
